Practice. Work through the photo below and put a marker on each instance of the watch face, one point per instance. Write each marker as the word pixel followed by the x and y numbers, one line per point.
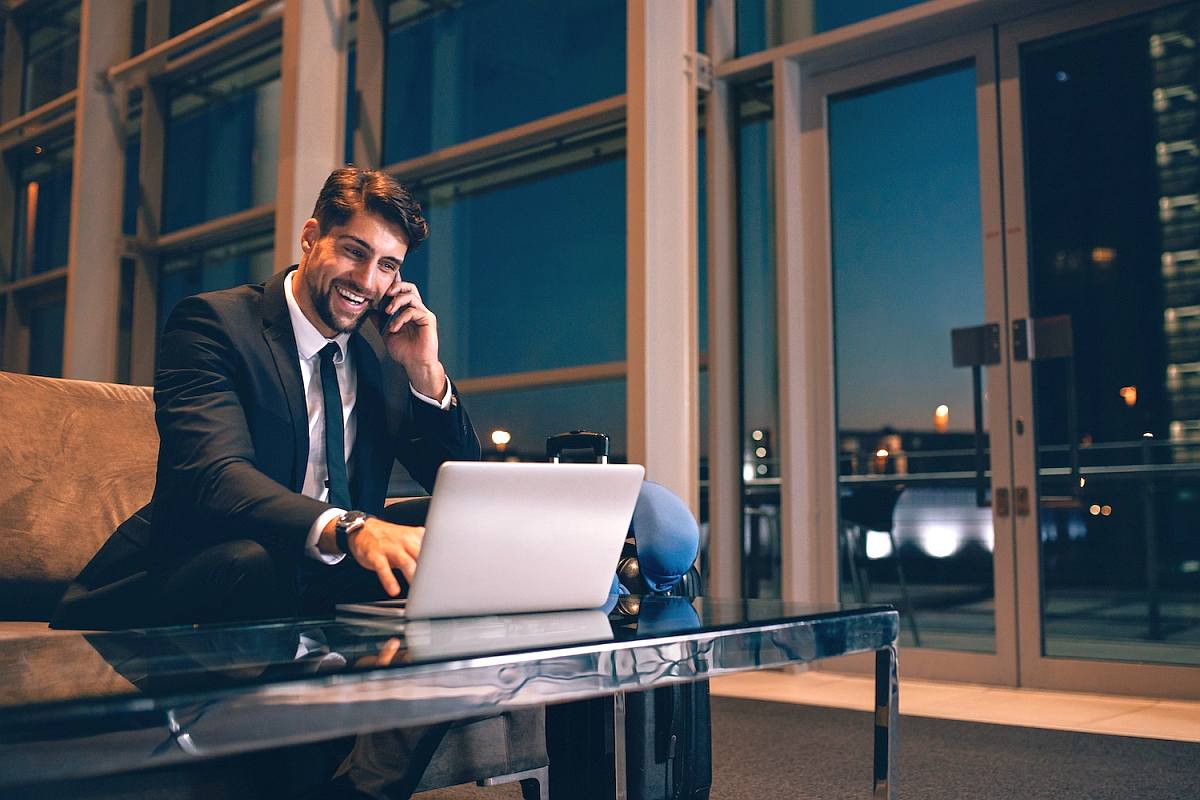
pixel 352 520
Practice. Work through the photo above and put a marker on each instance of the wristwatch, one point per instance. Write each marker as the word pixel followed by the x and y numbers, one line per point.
pixel 345 525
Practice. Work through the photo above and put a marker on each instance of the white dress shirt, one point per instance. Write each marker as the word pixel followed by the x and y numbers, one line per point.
pixel 309 342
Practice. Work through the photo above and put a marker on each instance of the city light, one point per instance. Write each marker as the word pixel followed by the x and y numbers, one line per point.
pixel 879 545
pixel 941 418
pixel 881 453
pixel 1129 395
pixel 501 438
pixel 1103 255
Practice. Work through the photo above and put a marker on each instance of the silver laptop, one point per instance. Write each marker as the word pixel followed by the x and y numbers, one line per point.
pixel 506 538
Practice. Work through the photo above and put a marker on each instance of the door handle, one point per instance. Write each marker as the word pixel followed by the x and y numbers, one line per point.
pixel 1022 497
pixel 1002 503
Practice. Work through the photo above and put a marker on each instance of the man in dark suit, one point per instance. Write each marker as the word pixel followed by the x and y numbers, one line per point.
pixel 281 408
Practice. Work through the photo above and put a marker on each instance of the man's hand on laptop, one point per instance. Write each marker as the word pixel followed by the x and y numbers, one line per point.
pixel 381 547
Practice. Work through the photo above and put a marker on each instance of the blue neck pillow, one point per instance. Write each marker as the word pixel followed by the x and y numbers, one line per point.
pixel 668 537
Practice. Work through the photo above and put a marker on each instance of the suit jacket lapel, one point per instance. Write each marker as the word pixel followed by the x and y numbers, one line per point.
pixel 281 342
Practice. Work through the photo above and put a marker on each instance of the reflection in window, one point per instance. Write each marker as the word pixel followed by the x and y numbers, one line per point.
pixel 529 416
pixel 759 354
pixel 222 140
pixel 43 209
pixel 247 261
pixel 1112 175
pixel 51 53
pixel 526 271
pixel 46 322
pixel 907 253
pixel 483 66
pixel 767 23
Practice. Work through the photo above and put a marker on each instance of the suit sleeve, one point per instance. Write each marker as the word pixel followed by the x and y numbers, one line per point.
pixel 206 451
pixel 434 436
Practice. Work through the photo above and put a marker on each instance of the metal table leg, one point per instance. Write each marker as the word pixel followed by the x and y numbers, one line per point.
pixel 618 747
pixel 887 713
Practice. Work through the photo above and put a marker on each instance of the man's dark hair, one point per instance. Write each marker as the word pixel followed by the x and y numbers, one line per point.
pixel 349 190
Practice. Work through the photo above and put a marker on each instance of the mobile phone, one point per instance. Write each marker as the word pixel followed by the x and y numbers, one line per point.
pixel 382 318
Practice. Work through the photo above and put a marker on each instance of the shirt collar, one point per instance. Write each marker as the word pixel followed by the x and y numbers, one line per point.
pixel 309 340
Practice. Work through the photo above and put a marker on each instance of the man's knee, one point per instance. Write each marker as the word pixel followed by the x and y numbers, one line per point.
pixel 230 581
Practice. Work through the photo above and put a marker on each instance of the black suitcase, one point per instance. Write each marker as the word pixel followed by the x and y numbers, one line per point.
pixel 668 731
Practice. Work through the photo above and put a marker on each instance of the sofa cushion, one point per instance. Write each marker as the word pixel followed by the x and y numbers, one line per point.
pixel 76 459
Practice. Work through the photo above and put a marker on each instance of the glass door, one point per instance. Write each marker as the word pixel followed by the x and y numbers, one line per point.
pixel 914 234
pixel 1101 128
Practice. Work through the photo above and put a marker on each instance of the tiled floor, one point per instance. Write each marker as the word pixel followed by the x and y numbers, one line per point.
pixel 1068 711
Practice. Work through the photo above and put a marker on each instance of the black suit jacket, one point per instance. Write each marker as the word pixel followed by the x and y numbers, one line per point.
pixel 233 428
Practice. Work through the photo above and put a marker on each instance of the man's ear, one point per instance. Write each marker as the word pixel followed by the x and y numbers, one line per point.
pixel 309 235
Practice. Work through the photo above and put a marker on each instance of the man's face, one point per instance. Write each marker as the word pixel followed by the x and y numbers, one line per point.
pixel 346 270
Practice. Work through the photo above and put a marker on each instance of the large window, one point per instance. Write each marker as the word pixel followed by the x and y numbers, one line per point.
pixel 219 267
pixel 222 140
pixel 907 249
pixel 759 353
pixel 528 275
pixel 51 53
pixel 525 268
pixel 43 208
pixel 766 23
pixel 46 322
pixel 486 65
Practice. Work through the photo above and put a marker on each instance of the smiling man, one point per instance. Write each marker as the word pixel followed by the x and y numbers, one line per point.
pixel 281 409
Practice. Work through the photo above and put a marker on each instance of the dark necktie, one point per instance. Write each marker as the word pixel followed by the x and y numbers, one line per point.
pixel 335 440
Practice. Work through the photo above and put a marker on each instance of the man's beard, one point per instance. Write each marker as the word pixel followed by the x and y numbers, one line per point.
pixel 323 302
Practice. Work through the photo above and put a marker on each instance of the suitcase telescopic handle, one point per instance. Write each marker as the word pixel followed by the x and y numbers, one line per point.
pixel 577 440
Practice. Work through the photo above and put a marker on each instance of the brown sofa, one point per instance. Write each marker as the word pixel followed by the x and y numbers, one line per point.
pixel 76 459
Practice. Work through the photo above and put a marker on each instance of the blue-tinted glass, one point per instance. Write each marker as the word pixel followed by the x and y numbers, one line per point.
pixel 43 212
pixel 51 53
pixel 129 200
pixel 830 14
pixel 702 243
pixel 907 268
pixel 760 362
pixel 46 339
pixel 219 268
pixel 750 26
pixel 529 275
pixel 222 145
pixel 351 105
pixel 908 253
pixel 791 20
pixel 137 38
pixel 761 574
pixel 531 415
pixel 488 65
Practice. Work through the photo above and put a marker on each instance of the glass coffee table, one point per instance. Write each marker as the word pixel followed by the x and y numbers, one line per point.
pixel 88 704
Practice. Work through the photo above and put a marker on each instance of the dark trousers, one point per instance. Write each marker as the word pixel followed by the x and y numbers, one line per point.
pixel 241 580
